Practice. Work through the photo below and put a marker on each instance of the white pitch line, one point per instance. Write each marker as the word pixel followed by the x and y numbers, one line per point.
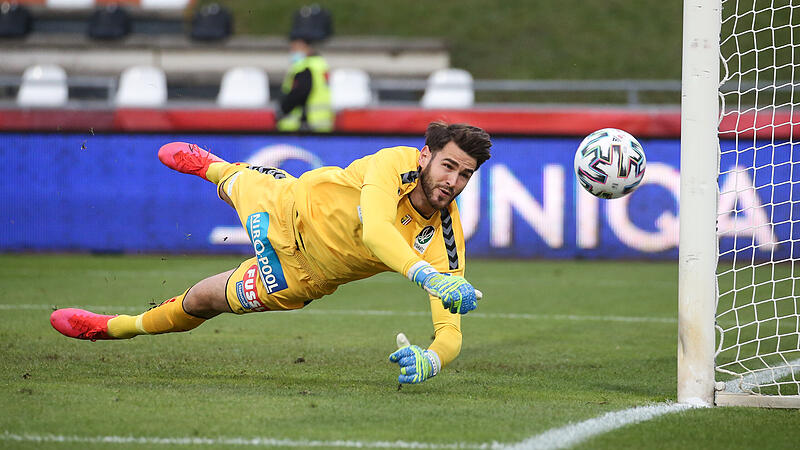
pixel 515 316
pixel 41 307
pixel 232 441
pixel 573 434
pixel 375 312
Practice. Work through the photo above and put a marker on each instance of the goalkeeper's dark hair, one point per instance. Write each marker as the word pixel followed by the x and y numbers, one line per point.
pixel 474 141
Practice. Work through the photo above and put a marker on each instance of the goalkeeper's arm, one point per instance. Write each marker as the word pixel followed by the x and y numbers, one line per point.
pixel 417 364
pixel 378 211
pixel 447 332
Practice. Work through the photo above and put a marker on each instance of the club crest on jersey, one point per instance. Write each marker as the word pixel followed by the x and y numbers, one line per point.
pixel 269 267
pixel 424 239
pixel 406 220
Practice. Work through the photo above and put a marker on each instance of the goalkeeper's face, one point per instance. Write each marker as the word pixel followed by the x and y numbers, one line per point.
pixel 445 173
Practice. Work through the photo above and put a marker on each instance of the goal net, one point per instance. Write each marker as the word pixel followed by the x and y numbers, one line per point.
pixel 757 316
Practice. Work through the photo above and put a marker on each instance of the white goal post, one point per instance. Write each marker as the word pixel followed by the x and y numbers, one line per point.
pixel 739 255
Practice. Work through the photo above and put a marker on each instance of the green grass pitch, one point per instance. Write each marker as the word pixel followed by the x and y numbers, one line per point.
pixel 552 343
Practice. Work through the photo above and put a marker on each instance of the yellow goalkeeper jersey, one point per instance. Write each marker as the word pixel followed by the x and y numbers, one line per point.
pixel 331 219
pixel 334 207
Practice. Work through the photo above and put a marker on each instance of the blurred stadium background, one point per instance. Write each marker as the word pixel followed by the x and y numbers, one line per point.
pixel 84 77
pixel 521 61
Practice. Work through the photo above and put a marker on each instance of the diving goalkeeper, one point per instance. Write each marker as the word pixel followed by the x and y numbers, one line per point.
pixel 392 210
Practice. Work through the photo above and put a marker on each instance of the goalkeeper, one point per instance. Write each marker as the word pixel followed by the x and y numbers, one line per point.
pixel 392 210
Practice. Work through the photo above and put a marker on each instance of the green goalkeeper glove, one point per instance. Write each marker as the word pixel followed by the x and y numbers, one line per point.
pixel 416 364
pixel 456 293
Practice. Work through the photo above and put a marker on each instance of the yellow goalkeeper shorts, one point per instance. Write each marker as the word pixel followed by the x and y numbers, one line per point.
pixel 279 276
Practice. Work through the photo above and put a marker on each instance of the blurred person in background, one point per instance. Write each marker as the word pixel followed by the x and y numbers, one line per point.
pixel 306 101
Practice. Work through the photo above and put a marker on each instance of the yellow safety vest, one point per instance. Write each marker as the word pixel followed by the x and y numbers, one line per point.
pixel 319 114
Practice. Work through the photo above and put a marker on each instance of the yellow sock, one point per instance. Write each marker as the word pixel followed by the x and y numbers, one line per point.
pixel 165 318
pixel 215 170
pixel 123 327
pixel 169 317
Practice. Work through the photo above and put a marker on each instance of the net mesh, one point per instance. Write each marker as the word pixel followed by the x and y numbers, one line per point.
pixel 758 223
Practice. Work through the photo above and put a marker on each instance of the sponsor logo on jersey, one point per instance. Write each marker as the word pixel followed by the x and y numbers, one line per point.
pixel 269 267
pixel 424 239
pixel 406 220
pixel 247 292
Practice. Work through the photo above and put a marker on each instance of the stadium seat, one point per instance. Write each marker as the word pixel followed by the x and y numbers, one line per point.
pixel 211 23
pixel 165 4
pixel 311 23
pixel 109 22
pixel 449 88
pixel 43 86
pixel 142 86
pixel 15 20
pixel 70 4
pixel 89 4
pixel 244 87
pixel 350 89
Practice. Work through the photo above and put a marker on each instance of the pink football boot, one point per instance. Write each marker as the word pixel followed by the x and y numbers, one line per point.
pixel 80 324
pixel 187 158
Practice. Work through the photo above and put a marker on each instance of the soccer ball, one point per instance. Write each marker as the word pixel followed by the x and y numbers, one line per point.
pixel 610 163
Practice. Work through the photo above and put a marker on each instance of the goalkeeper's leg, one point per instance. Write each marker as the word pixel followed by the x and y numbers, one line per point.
pixel 187 311
pixel 192 159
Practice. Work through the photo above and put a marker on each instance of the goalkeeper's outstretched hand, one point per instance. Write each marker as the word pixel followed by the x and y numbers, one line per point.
pixel 456 293
pixel 416 364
